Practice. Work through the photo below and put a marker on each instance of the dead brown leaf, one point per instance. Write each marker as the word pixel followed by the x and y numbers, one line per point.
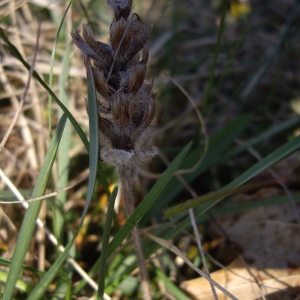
pixel 269 265
pixel 240 281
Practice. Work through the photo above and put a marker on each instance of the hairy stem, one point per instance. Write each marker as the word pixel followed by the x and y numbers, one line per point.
pixel 126 190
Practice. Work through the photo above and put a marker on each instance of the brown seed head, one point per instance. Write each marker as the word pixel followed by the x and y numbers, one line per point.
pixel 126 104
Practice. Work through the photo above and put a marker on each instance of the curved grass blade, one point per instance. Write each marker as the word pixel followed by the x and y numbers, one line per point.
pixel 105 242
pixel 174 226
pixel 21 285
pixel 219 143
pixel 32 213
pixel 42 286
pixel 63 160
pixel 92 111
pixel 177 209
pixel 216 54
pixel 170 286
pixel 52 64
pixel 264 135
pixel 149 200
pixel 15 52
pixel 280 153
pixel 256 78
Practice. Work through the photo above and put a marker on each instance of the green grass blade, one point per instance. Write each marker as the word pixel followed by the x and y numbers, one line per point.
pixel 240 207
pixel 21 285
pixel 94 133
pixel 15 52
pixel 40 289
pixel 232 55
pixel 171 287
pixel 216 54
pixel 149 200
pixel 42 286
pixel 177 209
pixel 256 78
pixel 219 143
pixel 51 67
pixel 173 227
pixel 32 213
pixel 276 156
pixel 105 243
pixel 63 160
pixel 285 150
pixel 264 136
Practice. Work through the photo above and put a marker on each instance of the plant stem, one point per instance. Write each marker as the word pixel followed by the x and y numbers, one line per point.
pixel 126 191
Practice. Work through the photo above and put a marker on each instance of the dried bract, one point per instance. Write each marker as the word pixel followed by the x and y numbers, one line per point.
pixel 126 104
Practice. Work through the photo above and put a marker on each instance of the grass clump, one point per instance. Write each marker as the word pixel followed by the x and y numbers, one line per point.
pixel 238 70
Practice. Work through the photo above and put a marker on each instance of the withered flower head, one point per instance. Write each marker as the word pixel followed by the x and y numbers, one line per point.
pixel 126 104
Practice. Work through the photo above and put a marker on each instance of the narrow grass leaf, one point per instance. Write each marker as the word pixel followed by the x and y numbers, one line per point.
pixel 280 153
pixel 271 132
pixel 173 227
pixel 43 284
pixel 216 54
pixel 63 160
pixel 51 67
pixel 21 285
pixel 256 78
pixel 149 200
pixel 233 54
pixel 178 224
pixel 94 133
pixel 218 144
pixel 32 213
pixel 177 209
pixel 171 287
pixel 230 208
pixel 105 243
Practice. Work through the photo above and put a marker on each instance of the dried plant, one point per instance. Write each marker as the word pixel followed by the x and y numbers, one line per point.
pixel 126 104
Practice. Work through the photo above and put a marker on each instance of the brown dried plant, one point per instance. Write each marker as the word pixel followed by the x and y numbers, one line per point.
pixel 126 104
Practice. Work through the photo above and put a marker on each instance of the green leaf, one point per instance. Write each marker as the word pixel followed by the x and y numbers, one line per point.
pixel 216 54
pixel 43 284
pixel 52 64
pixel 32 213
pixel 270 132
pixel 276 156
pixel 105 243
pixel 149 200
pixel 171 286
pixel 21 285
pixel 63 161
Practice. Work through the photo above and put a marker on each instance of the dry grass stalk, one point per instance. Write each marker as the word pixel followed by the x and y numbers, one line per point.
pixel 126 104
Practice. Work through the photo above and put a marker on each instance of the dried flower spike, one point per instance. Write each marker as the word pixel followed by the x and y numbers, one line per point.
pixel 126 104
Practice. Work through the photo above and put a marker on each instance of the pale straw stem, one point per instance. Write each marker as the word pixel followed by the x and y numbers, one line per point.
pixel 126 190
